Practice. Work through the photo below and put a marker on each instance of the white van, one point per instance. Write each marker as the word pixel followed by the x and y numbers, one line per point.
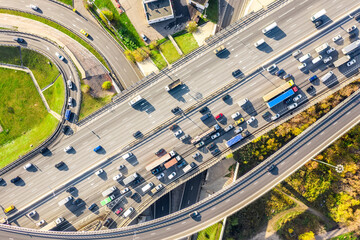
pixel 269 28
pixel 147 187
pixel 317 59
pixel 327 76
pixel 108 191
pixel 304 58
pixel 302 66
pixel 127 156
pixel 258 43
pixel 128 212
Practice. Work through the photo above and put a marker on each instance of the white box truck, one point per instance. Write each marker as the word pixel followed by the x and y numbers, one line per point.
pixel 135 100
pixel 318 15
pixel 108 191
pixel 269 28
pixel 327 76
pixel 147 187
pixel 322 48
pixel 128 212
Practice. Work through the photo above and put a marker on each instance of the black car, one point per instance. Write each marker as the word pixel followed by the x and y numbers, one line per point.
pixel 59 165
pixel 108 222
pixel 175 110
pixel 156 170
pixel 280 72
pixel 71 189
pixel 211 146
pixel 318 23
pixel 226 97
pixel 204 110
pixel 271 168
pixel 310 89
pixel 19 40
pixel 357 16
pixel 65 129
pixel 78 202
pixel 92 206
pixel 134 196
pixel 15 179
pixel 236 73
pixel 138 134
pixel 352 35
pixel 44 150
pixel 216 152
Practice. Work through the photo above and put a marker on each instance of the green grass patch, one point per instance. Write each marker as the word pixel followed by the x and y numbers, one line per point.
pixel 10 55
pixel 89 104
pixel 68 2
pixel 211 233
pixel 347 236
pixel 212 11
pixel 158 59
pixel 169 51
pixel 23 116
pixel 186 43
pixel 55 95
pixel 161 41
pixel 44 72
pixel 123 24
pixel 60 28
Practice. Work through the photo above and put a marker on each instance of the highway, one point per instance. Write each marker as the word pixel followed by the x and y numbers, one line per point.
pixel 108 47
pixel 114 129
pixel 223 203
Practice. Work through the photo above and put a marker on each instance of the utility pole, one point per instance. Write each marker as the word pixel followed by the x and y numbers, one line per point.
pixel 338 168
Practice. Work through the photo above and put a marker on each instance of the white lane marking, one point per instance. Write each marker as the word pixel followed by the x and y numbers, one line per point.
pixel 242 191
pixel 289 20
pixel 255 183
pixel 309 7
pixel 295 153
pixel 212 209
pixel 286 12
pixel 252 84
pixel 107 47
pixel 334 123
pixel 183 222
pixel 321 133
pixel 308 143
pixel 227 200
pixel 348 113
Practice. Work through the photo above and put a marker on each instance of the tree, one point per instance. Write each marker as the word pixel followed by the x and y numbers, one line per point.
pixel 129 55
pixel 307 236
pixel 153 45
pixel 106 85
pixel 137 55
pixel 191 27
pixel 108 14
pixel 85 88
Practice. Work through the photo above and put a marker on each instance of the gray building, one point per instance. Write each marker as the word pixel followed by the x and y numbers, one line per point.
pixel 158 10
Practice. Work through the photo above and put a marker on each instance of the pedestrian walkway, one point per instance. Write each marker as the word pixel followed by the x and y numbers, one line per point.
pixel 175 45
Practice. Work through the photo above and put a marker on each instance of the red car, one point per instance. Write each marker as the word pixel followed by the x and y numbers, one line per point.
pixel 160 152
pixel 117 212
pixel 219 116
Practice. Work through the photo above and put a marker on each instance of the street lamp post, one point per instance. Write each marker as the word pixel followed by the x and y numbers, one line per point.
pixel 338 168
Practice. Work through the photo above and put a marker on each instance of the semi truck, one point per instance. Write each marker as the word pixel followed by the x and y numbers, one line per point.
pixel 160 161
pixel 65 200
pixel 107 200
pixel 341 61
pixel 188 167
pixel 322 48
pixel 53 224
pixel 136 100
pixel 205 134
pixel 236 139
pixel 173 85
pixel 351 47
pixel 269 28
pixel 130 178
pixel 108 191
pixel 318 15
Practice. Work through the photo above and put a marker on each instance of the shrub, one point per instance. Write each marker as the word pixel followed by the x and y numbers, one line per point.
pixel 108 14
pixel 191 27
pixel 129 55
pixel 153 45
pixel 85 88
pixel 106 85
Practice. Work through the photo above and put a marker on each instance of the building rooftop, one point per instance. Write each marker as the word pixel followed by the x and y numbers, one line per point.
pixel 159 10
pixel 202 2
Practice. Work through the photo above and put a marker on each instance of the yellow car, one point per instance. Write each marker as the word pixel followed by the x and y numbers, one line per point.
pixel 238 122
pixel 83 32
pixel 219 49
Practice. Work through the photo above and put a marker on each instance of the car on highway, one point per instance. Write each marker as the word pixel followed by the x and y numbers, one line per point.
pixel 144 38
pixel 34 7
pixel 274 117
pixel 121 167
pixel 40 223
pixel 196 155
pixel 68 148
pixel 19 40
pixel 182 163
pixel 302 66
pixel 336 38
pixel 200 144
pixel 97 149
pixel 216 152
pixel 71 190
pixel 250 120
pixel 204 110
pixel 219 49
pixel 297 98
pixel 92 206
pixel 350 29
pixel 271 68
pixel 59 164
pixel 156 170
pixel 296 53
pixel 330 50
pixel 211 146
pixel 70 84
pixel 160 152
pixel 239 130
pixel 271 168
pixel 172 175
pixel 357 16
pixel 119 211
pixel 220 115
pixel 194 214
pixel 237 73
pixel 173 127
pixel 313 78
pixel 292 106
pixel 351 62
pixel 117 177
pixel 280 72
pixel 235 115
pixel 178 158
pixel 228 128
pixel 172 153
pixel 310 89
pixel 160 176
pixel 216 135
pixel 238 122
pixel 31 214
pixel 108 221
pixel 28 166
pixel 125 190
pixel 98 172
pixel 84 33
pixel 137 134
pixel 327 59
pixel 182 138
pixel 15 179
pixel 178 133
pixel 70 101
pixel 287 76
pixel 318 23
pixel 59 56
pixel 175 110
pixel 226 97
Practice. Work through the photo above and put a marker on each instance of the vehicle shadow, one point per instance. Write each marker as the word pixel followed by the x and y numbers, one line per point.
pixel 178 93
pixel 265 48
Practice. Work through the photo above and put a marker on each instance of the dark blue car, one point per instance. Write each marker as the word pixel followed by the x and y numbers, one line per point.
pixel 313 78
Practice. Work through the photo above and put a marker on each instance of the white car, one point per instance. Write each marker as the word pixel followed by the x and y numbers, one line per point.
pixel 125 190
pixel 70 85
pixel 228 128
pixel 337 38
pixel 100 171
pixel 117 177
pixel 302 66
pixel 59 56
pixel 271 68
pixel 121 167
pixel 196 155
pixel 276 116
pixel 297 98
pixel 296 53
pixel 235 115
pixel 350 29
pixel 68 148
pixel 172 175
pixel 351 62
pixel 27 166
pixel 182 138
pixel 239 130
pixel 160 176
pixel 32 214
pixel 172 153
pixel 178 133
pixel 292 106
pixel 41 223
pixel 250 120
pixel 328 59
pixel 178 158
pixel 330 50
pixel 70 101
pixel 34 7
pixel 216 135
